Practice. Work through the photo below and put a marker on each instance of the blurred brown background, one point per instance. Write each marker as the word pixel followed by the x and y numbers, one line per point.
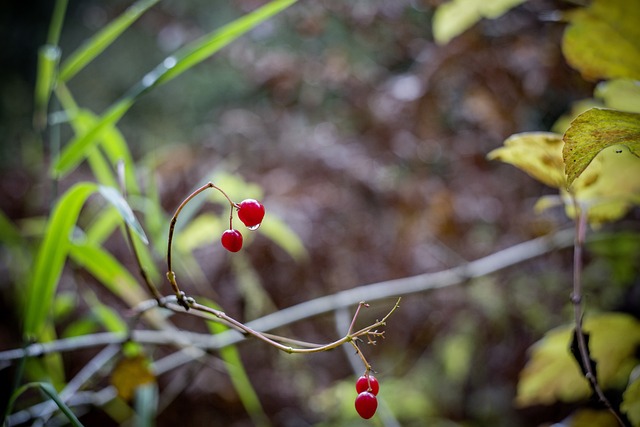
pixel 369 140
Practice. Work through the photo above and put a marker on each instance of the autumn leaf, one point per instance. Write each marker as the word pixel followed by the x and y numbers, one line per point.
pixel 594 130
pixel 631 398
pixel 620 94
pixel 129 374
pixel 539 154
pixel 456 16
pixel 609 186
pixel 603 40
pixel 552 374
pixel 591 418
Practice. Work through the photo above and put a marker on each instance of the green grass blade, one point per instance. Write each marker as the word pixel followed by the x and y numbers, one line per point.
pixel 9 233
pixel 81 145
pixel 111 141
pixel 282 235
pixel 114 277
pixel 101 169
pixel 199 50
pixel 239 377
pixel 51 258
pixel 53 395
pixel 184 59
pixel 102 39
pixel 108 270
pixel 115 198
pixel 48 58
pixel 57 20
pixel 49 391
pixel 103 226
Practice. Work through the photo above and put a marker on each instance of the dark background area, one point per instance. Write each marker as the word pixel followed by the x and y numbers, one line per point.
pixel 369 141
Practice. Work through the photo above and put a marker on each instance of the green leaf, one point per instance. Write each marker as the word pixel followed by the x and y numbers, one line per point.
pixel 603 40
pixel 51 258
pixel 103 39
pixel 115 198
pixel 552 374
pixel 49 391
pixel 594 130
pixel 454 17
pixel 620 94
pixel 174 65
pixel 539 154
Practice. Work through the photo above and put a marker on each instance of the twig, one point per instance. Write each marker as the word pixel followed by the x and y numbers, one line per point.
pixel 373 292
pixel 153 290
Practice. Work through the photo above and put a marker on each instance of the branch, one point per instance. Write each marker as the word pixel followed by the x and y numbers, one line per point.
pixel 376 291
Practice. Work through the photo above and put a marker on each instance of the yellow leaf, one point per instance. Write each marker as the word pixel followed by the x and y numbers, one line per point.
pixel 594 130
pixel 129 374
pixel 620 94
pixel 603 40
pixel 631 400
pixel 539 154
pixel 552 374
pixel 592 418
pixel 609 186
pixel 456 16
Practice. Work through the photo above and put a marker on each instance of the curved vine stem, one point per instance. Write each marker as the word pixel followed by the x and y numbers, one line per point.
pixel 171 276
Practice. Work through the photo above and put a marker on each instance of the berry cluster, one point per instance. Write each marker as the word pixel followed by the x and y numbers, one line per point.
pixel 367 388
pixel 251 212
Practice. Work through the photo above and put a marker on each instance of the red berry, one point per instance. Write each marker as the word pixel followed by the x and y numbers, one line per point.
pixel 366 404
pixel 251 212
pixel 363 384
pixel 231 240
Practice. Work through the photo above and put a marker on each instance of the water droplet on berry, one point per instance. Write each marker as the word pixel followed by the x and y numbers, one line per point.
pixel 254 227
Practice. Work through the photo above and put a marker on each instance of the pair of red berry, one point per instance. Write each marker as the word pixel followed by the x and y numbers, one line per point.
pixel 251 212
pixel 367 388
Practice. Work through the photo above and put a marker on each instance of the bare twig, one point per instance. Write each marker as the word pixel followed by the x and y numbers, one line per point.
pixel 576 299
pixel 329 303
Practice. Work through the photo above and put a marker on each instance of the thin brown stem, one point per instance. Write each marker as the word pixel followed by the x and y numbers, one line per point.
pixel 355 316
pixel 273 341
pixel 153 290
pixel 576 299
pixel 170 274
